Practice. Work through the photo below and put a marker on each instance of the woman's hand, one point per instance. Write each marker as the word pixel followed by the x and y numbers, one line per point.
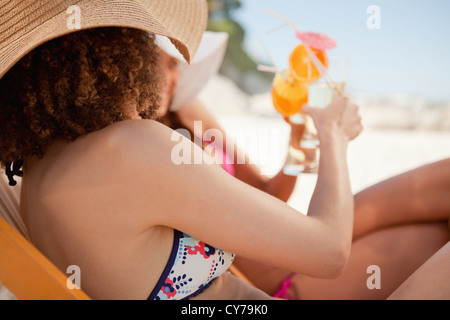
pixel 342 114
pixel 297 131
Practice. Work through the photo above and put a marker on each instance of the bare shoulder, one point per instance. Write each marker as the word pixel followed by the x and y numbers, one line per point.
pixel 109 163
pixel 126 144
pixel 133 134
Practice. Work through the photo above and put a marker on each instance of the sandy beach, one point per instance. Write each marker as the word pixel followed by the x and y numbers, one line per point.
pixel 375 155
pixel 378 153
pixel 397 137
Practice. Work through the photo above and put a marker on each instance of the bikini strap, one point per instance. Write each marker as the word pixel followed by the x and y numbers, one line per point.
pixel 13 169
pixel 284 287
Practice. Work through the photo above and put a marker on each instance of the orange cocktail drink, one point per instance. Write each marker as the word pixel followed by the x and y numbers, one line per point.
pixel 290 87
pixel 290 92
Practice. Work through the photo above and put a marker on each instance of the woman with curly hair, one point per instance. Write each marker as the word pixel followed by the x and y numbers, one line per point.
pixel 99 187
pixel 76 85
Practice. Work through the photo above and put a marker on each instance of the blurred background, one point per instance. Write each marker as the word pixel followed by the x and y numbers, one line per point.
pixel 399 77
pixel 407 56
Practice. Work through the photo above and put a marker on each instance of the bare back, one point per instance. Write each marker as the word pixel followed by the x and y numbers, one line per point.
pixel 74 207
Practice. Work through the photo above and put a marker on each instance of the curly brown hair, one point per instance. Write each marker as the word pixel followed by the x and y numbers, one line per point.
pixel 75 85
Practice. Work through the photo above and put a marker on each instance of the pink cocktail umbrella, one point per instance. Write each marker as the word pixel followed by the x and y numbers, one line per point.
pixel 315 40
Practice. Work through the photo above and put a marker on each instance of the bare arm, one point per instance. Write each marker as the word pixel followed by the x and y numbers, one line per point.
pixel 207 203
pixel 336 203
pixel 280 186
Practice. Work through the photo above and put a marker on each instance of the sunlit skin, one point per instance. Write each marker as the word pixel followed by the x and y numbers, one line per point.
pixel 109 201
pixel 384 215
pixel 133 195
pixel 280 186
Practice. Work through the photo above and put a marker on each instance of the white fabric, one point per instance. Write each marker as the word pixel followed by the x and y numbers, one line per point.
pixel 10 204
pixel 206 63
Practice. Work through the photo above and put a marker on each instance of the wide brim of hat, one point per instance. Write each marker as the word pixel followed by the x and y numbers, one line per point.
pixel 194 77
pixel 26 24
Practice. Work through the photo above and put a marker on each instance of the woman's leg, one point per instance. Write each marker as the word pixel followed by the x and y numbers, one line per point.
pixel 430 282
pixel 420 195
pixel 387 218
pixel 265 277
pixel 398 252
pixel 417 196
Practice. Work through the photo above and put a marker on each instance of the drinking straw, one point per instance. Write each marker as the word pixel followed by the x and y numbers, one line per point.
pixel 269 69
pixel 277 28
pixel 323 71
pixel 279 16
pixel 265 68
pixel 317 63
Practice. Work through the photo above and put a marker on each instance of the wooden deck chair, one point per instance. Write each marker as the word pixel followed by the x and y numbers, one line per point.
pixel 236 272
pixel 27 273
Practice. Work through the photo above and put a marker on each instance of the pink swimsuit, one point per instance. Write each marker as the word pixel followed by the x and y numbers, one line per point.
pixel 285 285
pixel 227 163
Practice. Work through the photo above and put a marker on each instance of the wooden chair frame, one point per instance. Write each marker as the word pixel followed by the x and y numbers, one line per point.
pixel 27 273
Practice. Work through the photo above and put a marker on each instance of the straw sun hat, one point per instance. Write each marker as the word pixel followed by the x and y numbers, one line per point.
pixel 193 77
pixel 26 24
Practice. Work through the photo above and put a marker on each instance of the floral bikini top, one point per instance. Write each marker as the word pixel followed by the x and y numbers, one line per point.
pixel 192 267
